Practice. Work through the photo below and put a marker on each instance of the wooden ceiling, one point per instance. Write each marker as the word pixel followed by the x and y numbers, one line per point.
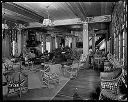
pixel 35 11
pixel 30 12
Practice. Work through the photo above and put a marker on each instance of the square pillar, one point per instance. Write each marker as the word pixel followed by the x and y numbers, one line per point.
pixel 19 41
pixel 85 39
pixel 93 42
pixel 56 42
pixel 53 43
pixel 44 41
pixel 73 40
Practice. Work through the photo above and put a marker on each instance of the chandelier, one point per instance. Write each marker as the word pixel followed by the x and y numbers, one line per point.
pixel 47 22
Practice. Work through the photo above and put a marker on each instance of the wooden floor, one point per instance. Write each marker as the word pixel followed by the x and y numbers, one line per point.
pixel 87 82
pixel 37 91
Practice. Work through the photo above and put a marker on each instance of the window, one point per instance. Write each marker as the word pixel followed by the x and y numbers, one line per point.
pixel 123 46
pixel 48 46
pixel 42 47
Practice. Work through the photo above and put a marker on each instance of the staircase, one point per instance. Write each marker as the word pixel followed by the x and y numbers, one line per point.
pixel 98 41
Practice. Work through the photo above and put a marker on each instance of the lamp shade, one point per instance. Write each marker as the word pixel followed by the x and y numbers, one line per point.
pixel 47 22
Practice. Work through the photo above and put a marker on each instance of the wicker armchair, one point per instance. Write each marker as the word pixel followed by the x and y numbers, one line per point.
pixel 17 82
pixel 107 65
pixel 72 70
pixel 110 82
pixel 48 77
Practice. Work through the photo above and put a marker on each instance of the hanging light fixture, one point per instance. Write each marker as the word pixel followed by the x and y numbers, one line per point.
pixel 47 22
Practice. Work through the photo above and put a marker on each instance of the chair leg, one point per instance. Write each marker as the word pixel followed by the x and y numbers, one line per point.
pixel 100 97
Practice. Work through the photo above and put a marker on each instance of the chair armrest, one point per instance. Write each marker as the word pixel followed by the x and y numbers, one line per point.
pixel 110 75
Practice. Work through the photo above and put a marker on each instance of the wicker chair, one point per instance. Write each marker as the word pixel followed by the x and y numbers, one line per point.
pixel 17 82
pixel 48 77
pixel 72 70
pixel 107 65
pixel 110 82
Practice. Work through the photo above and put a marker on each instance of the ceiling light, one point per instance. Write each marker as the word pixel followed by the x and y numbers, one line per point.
pixel 47 21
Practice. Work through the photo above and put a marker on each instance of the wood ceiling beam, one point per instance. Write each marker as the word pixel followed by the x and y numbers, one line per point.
pixel 23 11
pixel 76 21
pixel 14 21
pixel 102 32
pixel 104 18
pixel 98 33
pixel 67 22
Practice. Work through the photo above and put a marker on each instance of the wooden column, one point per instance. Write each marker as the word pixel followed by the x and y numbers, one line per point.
pixel 24 38
pixel 56 42
pixel 44 41
pixel 93 42
pixel 125 51
pixel 106 39
pixel 19 41
pixel 5 44
pixel 85 39
pixel 51 43
pixel 112 45
pixel 73 40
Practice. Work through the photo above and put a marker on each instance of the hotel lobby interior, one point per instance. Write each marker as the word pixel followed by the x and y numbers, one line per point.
pixel 64 50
